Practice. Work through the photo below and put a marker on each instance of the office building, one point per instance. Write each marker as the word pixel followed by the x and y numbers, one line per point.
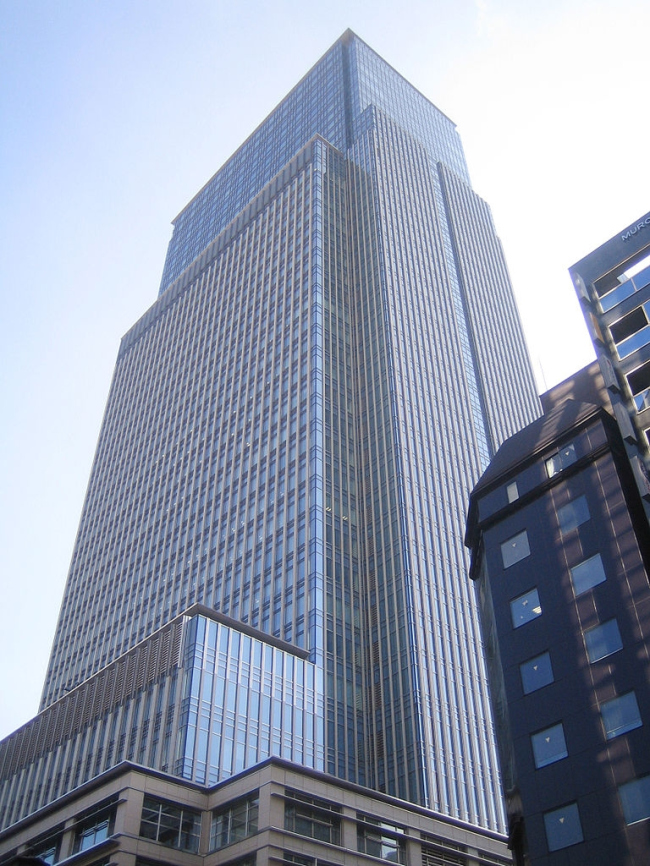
pixel 274 813
pixel 560 556
pixel 290 439
pixel 613 285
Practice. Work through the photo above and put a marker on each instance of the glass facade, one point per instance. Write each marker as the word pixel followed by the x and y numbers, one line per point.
pixel 291 436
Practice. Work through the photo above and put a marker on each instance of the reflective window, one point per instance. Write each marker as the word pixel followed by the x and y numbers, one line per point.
pixel 525 607
pixel 170 824
pixel 512 491
pixel 573 514
pixel 603 640
pixel 563 827
pixel 536 673
pixel 588 573
pixel 93 829
pixel 635 800
pixel 620 715
pixel 549 746
pixel 48 854
pixel 378 839
pixel 47 848
pixel 565 457
pixel 312 817
pixel 234 822
pixel 515 549
pixel 290 857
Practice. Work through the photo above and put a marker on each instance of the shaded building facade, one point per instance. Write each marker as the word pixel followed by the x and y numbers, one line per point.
pixel 560 555
pixel 290 439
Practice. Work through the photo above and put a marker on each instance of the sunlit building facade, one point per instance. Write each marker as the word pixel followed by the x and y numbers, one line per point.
pixel 290 439
pixel 613 285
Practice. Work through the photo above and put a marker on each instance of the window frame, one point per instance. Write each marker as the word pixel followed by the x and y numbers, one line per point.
pixel 318 813
pixel 600 628
pixel 529 662
pixel 94 828
pixel 572 507
pixel 226 813
pixel 509 546
pixel 535 738
pixel 181 832
pixel 625 702
pixel 535 616
pixel 569 809
pixel 561 460
pixel 629 792
pixel 580 586
pixel 372 832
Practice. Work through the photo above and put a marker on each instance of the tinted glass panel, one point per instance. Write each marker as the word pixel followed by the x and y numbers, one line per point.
pixel 563 827
pixel 525 608
pixel 603 640
pixel 573 514
pixel 549 746
pixel 514 549
pixel 536 673
pixel 565 457
pixel 512 491
pixel 587 574
pixel 635 800
pixel 620 715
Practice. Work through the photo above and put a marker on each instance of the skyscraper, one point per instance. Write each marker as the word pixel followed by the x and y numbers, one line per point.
pixel 290 439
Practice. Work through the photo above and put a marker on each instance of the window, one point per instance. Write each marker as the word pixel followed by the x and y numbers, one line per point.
pixel 290 857
pixel 171 825
pixel 620 715
pixel 48 854
pixel 515 549
pixel 536 673
pixel 47 848
pixel 378 839
pixel 629 325
pixel 639 382
pixel 234 822
pixel 603 640
pixel 563 827
pixel 573 514
pixel 93 829
pixel 564 457
pixel 524 608
pixel 311 817
pixel 549 746
pixel 635 800
pixel 512 491
pixel 587 574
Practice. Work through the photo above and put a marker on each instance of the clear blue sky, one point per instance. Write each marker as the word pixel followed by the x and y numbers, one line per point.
pixel 113 114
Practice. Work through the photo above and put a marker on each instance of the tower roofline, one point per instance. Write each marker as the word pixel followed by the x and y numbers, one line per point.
pixel 345 39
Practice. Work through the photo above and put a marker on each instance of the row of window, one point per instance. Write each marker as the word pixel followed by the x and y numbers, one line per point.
pixel 619 716
pixel 179 827
pixel 563 826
